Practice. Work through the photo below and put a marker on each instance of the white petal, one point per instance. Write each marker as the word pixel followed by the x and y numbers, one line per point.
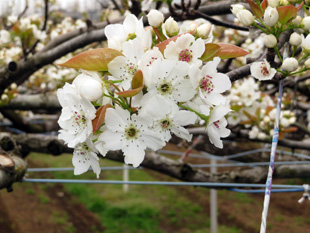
pixel 134 154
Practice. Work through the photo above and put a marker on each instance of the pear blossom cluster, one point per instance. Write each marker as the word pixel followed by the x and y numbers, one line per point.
pixel 273 18
pixel 149 93
pixel 24 32
pixel 256 110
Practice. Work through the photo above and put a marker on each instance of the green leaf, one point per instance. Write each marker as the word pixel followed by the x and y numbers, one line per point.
pixel 94 60
pixel 287 13
pixel 257 11
pixel 100 115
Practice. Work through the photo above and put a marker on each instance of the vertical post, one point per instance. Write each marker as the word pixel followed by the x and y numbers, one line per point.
pixel 213 201
pixel 125 178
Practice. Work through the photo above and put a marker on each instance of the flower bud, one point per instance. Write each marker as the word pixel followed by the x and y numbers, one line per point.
pixel 295 39
pixel 271 16
pixel 306 22
pixel 155 18
pixel 235 8
pixel 273 3
pixel 305 43
pixel 270 41
pixel 307 63
pixel 89 85
pixel 297 20
pixel 171 27
pixel 245 17
pixel 203 30
pixel 290 64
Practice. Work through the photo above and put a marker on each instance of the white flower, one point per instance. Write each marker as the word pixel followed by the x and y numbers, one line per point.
pixel 290 64
pixel 295 39
pixel 203 31
pixel 273 3
pixel 89 85
pixel 84 156
pixel 155 18
pixel 307 63
pixel 124 67
pixel 216 127
pixel 305 44
pixel 270 41
pixel 209 82
pixel 235 8
pixel 245 17
pixel 168 118
pixel 170 80
pixel 297 21
pixel 129 134
pixel 131 28
pixel 5 37
pixel 186 49
pixel 271 16
pixel 306 22
pixel 253 132
pixel 262 70
pixel 76 116
pixel 171 27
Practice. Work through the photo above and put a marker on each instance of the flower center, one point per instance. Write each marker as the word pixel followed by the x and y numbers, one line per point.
pixel 131 36
pixel 186 55
pixel 165 123
pixel 79 120
pixel 131 132
pixel 165 88
pixel 206 84
pixel 131 68
pixel 264 70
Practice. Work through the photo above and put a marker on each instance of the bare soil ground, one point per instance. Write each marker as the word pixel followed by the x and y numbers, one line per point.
pixel 37 208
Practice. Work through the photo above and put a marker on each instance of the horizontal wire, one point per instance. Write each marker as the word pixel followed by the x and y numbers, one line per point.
pixel 204 184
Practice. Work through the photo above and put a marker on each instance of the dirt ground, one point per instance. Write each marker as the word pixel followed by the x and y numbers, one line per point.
pixel 31 208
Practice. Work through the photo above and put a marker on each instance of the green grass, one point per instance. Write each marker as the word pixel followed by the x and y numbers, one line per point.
pixel 144 209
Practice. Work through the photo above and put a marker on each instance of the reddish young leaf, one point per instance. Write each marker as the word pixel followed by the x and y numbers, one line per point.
pixel 137 80
pixel 287 13
pixel 290 129
pixel 130 93
pixel 250 116
pixel 211 50
pixel 100 115
pixel 230 51
pixel 257 11
pixel 162 45
pixel 264 4
pixel 95 59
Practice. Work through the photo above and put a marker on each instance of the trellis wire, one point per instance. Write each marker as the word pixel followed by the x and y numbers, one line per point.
pixel 172 183
pixel 275 139
pixel 192 165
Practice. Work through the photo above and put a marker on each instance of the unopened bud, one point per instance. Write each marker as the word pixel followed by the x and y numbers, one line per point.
pixel 155 18
pixel 235 8
pixel 290 64
pixel 273 3
pixel 306 23
pixel 307 63
pixel 203 30
pixel 297 20
pixel 271 16
pixel 171 27
pixel 245 17
pixel 270 41
pixel 295 39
